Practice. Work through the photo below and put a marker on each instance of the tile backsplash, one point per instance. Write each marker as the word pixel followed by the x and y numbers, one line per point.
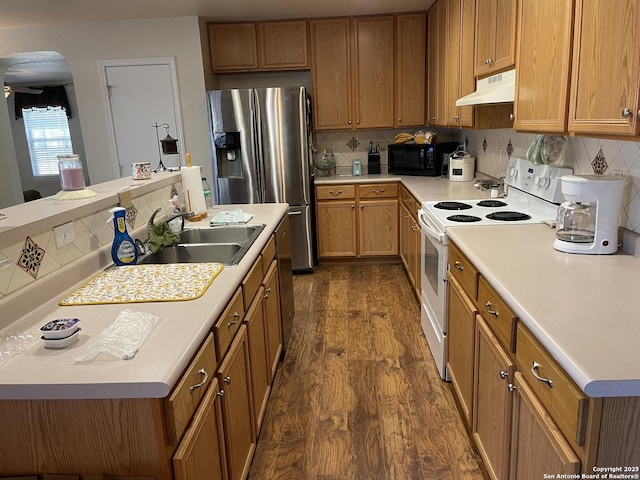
pixel 493 148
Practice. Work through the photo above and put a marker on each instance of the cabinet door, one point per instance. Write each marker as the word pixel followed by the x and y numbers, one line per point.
pixel 467 77
pixel 260 371
pixel 271 313
pixel 237 407
pixel 201 453
pixel 604 83
pixel 495 36
pixel 283 45
pixel 410 70
pixel 461 322
pixel 452 52
pixel 433 59
pixel 336 229
pixel 331 73
pixel 406 221
pixel 233 47
pixel 544 63
pixel 378 227
pixel 537 445
pixel 492 401
pixel 373 79
pixel 443 63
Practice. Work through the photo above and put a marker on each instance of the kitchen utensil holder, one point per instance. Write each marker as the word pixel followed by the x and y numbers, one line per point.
pixel 373 163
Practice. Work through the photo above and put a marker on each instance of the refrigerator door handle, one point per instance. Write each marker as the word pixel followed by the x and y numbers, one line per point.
pixel 257 147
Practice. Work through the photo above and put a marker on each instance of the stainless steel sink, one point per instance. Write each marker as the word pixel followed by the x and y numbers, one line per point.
pixel 224 244
pixel 228 254
pixel 222 234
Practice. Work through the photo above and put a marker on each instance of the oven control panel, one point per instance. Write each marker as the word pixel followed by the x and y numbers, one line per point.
pixel 540 180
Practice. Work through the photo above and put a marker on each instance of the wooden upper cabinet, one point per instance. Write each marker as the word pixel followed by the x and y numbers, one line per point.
pixel 543 65
pixel 443 63
pixel 433 54
pixel 605 80
pixel 233 47
pixel 283 45
pixel 243 47
pixel 374 79
pixel 410 69
pixel 495 36
pixel 467 78
pixel 331 73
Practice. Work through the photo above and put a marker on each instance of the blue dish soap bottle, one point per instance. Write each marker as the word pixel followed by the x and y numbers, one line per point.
pixel 123 248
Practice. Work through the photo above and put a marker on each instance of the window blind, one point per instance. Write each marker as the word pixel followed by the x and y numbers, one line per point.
pixel 47 131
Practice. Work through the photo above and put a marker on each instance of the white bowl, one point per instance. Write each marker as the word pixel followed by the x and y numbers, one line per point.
pixel 59 328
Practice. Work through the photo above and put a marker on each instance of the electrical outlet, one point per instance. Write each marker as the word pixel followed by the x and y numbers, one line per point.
pixel 64 234
pixel 335 150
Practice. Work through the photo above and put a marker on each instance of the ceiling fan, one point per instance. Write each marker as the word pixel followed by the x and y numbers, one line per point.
pixel 9 90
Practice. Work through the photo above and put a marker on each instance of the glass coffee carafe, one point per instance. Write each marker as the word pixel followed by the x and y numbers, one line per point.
pixel 576 222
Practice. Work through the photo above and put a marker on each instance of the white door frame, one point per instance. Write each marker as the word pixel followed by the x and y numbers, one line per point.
pixel 168 61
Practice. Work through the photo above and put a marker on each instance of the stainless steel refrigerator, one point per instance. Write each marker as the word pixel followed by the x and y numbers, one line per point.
pixel 260 154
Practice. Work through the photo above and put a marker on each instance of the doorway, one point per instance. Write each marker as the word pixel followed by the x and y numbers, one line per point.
pixel 138 95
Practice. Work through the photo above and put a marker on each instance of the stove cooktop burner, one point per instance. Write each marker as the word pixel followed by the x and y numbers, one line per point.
pixel 491 203
pixel 508 216
pixel 464 218
pixel 452 206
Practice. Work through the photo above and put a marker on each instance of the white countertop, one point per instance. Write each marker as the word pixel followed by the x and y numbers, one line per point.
pixel 422 188
pixel 582 308
pixel 53 374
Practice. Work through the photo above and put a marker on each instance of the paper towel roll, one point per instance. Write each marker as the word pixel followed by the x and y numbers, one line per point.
pixel 192 188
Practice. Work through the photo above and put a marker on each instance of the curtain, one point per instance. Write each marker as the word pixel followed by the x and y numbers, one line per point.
pixel 50 97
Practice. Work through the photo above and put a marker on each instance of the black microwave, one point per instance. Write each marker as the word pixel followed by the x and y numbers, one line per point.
pixel 414 159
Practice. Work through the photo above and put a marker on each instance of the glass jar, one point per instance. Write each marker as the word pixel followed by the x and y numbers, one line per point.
pixel 576 222
pixel 71 172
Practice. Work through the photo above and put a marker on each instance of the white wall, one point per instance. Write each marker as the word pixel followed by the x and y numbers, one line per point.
pixel 83 45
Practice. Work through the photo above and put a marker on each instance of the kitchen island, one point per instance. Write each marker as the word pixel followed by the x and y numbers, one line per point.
pixel 170 412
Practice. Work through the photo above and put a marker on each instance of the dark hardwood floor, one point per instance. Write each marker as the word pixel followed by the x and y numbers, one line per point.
pixel 358 395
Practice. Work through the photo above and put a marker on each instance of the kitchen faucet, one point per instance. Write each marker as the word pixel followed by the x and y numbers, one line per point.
pixel 143 246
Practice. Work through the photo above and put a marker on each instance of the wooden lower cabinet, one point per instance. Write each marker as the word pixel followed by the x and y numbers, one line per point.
pixel 378 233
pixel 237 407
pixel 356 221
pixel 460 346
pixel 201 453
pixel 336 229
pixel 537 445
pixel 260 368
pixel 271 313
pixel 492 407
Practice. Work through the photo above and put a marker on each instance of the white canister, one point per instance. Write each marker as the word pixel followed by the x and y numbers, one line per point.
pixel 462 169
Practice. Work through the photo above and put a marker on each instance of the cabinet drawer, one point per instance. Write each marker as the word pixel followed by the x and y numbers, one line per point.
pixel 409 202
pixel 463 271
pixel 251 282
pixel 335 192
pixel 191 387
pixel 498 315
pixel 228 324
pixel 378 190
pixel 565 402
pixel 268 254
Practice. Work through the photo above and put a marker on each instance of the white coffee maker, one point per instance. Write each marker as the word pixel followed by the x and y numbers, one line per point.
pixel 588 220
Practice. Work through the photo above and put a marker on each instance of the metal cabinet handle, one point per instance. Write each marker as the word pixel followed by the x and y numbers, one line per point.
pixel 414 228
pixel 227 380
pixel 378 192
pixel 292 214
pixel 512 387
pixel 534 371
pixel 205 377
pixel 411 204
pixel 353 206
pixel 512 117
pixel 458 266
pixel 455 117
pixel 488 306
pixel 220 393
pixel 400 120
pixel 349 122
pixel 357 122
pixel 488 61
pixel 237 319
pixel 267 292
pixel 504 374
pixel 626 113
pixel 335 193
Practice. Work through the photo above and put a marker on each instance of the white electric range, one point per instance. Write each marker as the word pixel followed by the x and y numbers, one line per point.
pixel 533 196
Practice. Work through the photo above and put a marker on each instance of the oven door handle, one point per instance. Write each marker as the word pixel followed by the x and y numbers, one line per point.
pixel 429 228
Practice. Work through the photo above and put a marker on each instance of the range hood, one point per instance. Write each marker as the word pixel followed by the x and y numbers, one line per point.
pixel 499 88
